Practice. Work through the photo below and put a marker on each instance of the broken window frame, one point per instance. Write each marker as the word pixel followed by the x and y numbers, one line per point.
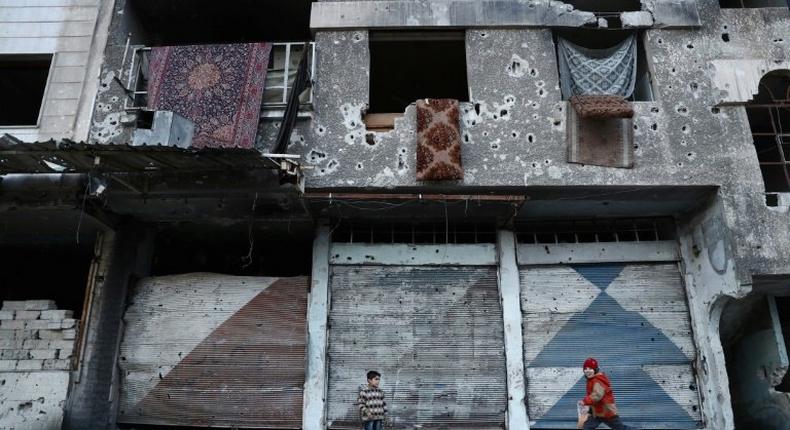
pixel 781 137
pixel 32 57
pixel 137 91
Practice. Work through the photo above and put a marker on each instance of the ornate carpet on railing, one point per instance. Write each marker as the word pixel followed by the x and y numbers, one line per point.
pixel 218 87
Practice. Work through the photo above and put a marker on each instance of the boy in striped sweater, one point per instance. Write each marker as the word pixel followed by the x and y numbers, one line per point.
pixel 372 407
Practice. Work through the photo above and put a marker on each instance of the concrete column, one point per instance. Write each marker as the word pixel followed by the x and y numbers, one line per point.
pixel 510 297
pixel 314 407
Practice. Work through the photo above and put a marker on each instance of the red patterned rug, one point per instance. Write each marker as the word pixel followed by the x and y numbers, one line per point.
pixel 218 87
pixel 438 140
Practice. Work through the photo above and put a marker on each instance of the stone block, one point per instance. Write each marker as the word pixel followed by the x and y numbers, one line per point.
pixel 6 315
pixel 50 334
pixel 67 345
pixel 7 365
pixel 40 305
pixel 36 324
pixel 70 334
pixel 14 354
pixel 68 323
pixel 57 364
pixel 56 315
pixel 27 315
pixel 12 324
pixel 43 354
pixel 12 343
pixel 65 353
pixel 7 334
pixel 43 393
pixel 37 344
pixel 29 365
pixel 13 305
pixel 54 324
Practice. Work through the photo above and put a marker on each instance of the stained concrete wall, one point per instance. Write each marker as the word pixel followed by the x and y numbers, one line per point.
pixel 74 32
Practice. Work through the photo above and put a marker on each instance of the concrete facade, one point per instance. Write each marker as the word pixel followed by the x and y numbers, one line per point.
pixel 695 162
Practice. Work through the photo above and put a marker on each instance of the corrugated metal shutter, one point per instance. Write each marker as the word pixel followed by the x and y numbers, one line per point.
pixel 212 350
pixel 633 318
pixel 435 334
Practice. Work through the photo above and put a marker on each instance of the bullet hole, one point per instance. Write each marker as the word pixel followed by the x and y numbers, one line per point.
pixel 503 113
pixel 531 138
pixel 682 110
pixel 636 146
pixel 689 46
pixel 494 146
pixel 725 37
pixel 477 108
pixel 359 166
pixel 353 124
pixel 669 86
pixel 540 92
pixel 714 110
pixel 356 37
pixel 674 71
pixel 466 137
pixel 680 164
pixel 654 109
pixel 483 34
pixel 514 134
pixel 370 139
pixel 533 73
pixel 694 86
pixel 332 164
pixel 684 129
pixel 535 116
pixel 510 100
pixel 636 127
pixel 654 126
pixel 660 41
pixel 547 161
pixel 534 164
pixel 403 150
pixel 316 155
pixel 557 122
pixel 534 105
pixel 693 387
pixel 779 40
pixel 485 134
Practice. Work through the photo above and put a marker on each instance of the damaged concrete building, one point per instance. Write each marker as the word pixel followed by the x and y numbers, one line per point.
pixel 222 214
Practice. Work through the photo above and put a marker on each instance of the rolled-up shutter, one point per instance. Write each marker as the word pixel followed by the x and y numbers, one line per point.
pixel 435 334
pixel 633 318
pixel 209 350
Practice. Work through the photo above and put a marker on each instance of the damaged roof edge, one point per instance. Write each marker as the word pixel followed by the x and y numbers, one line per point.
pixel 491 13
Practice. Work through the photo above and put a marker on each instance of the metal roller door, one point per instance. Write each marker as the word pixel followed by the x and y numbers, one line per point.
pixel 435 334
pixel 211 350
pixel 633 317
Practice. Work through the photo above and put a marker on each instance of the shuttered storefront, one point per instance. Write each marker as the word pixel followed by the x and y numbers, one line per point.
pixel 632 317
pixel 435 334
pixel 209 350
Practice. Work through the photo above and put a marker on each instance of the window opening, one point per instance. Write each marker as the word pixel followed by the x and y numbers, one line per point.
pixel 769 120
pixel 725 4
pixel 407 66
pixel 595 231
pixel 431 233
pixel 281 73
pixel 23 80
pixel 601 39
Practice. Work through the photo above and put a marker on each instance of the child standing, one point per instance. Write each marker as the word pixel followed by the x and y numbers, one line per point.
pixel 601 397
pixel 372 407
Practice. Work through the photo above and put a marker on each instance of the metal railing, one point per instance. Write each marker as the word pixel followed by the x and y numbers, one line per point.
pixel 281 71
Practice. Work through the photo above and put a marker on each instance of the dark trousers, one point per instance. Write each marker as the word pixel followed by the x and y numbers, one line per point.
pixel 374 425
pixel 614 423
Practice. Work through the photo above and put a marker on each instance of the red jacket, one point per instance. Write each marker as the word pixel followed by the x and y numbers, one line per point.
pixel 600 396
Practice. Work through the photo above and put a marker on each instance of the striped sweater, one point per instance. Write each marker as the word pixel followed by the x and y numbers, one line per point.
pixel 371 403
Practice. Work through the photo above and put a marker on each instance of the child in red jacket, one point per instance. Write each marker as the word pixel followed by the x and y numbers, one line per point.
pixel 601 398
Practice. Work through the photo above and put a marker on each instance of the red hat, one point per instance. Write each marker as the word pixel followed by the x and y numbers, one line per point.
pixel 591 363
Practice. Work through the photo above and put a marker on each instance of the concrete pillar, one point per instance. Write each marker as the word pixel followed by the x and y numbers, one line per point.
pixel 510 297
pixel 315 387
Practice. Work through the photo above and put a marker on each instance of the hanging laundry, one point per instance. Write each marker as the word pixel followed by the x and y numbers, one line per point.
pixel 438 140
pixel 586 71
pixel 218 87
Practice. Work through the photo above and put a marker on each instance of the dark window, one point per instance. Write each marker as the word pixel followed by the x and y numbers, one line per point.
pixel 23 79
pixel 769 120
pixel 752 3
pixel 601 39
pixel 408 66
pixel 606 5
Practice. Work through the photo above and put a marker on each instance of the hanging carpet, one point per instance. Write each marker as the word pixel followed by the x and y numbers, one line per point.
pixel 438 140
pixel 218 87
pixel 585 71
